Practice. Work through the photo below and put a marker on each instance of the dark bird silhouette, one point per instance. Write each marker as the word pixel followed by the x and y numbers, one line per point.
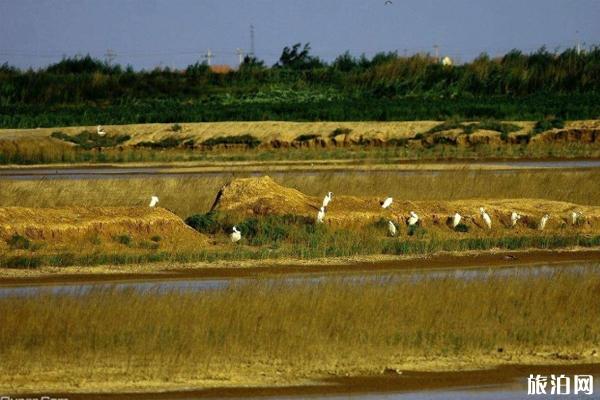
pixel 388 2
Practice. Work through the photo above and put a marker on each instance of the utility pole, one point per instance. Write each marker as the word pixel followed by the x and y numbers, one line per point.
pixel 436 50
pixel 110 55
pixel 208 56
pixel 251 40
pixel 240 54
pixel 578 43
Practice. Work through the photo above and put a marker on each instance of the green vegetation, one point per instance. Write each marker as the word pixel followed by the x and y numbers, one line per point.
pixel 517 86
pixel 468 128
pixel 254 329
pixel 168 142
pixel 18 242
pixel 306 137
pixel 91 140
pixel 340 131
pixel 246 140
pixel 546 124
pixel 124 239
pixel 176 128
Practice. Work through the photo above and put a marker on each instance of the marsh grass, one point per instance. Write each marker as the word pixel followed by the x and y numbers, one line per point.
pixel 187 196
pixel 112 336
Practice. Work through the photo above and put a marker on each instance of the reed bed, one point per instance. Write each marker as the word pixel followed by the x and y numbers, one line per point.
pixel 112 337
pixel 191 195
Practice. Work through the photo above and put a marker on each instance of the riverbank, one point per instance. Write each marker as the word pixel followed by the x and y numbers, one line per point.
pixel 276 267
pixel 262 333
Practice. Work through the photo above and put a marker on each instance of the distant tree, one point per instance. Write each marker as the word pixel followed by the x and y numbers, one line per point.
pixel 198 68
pixel 81 65
pixel 345 62
pixel 298 57
pixel 252 62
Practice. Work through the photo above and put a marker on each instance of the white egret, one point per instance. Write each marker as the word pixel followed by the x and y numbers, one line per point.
pixel 236 235
pixel 153 201
pixel 543 221
pixel 514 218
pixel 100 131
pixel 391 228
pixel 321 215
pixel 327 199
pixel 575 216
pixel 414 218
pixel 386 203
pixel 456 220
pixel 486 217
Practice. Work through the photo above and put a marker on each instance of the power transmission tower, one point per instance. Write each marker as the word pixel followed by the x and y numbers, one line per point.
pixel 110 56
pixel 251 40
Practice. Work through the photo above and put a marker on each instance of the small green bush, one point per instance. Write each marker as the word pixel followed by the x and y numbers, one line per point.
pixel 156 238
pixel 176 128
pixel 461 228
pixel 91 140
pixel 124 239
pixel 205 223
pixel 306 137
pixel 546 124
pixel 21 262
pixel 246 139
pixel 18 242
pixel 165 143
pixel 340 131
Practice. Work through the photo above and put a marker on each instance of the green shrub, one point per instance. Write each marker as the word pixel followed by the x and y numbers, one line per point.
pixel 165 143
pixel 124 239
pixel 340 131
pixel 156 238
pixel 21 262
pixel 546 124
pixel 175 128
pixel 461 228
pixel 246 139
pixel 205 223
pixel 306 137
pixel 90 140
pixel 18 242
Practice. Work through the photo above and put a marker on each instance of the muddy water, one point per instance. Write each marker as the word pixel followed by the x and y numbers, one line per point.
pixel 104 172
pixel 350 278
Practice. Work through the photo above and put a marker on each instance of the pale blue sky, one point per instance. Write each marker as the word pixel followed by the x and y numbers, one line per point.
pixel 147 33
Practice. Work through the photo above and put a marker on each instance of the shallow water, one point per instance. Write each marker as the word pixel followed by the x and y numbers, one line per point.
pixel 350 278
pixel 105 172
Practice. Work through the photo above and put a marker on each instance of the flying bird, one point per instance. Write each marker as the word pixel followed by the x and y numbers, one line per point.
pixel 543 221
pixel 327 199
pixel 386 203
pixel 486 217
pixel 414 218
pixel 100 131
pixel 321 215
pixel 388 2
pixel 235 235
pixel 514 217
pixel 456 220
pixel 153 201
pixel 391 228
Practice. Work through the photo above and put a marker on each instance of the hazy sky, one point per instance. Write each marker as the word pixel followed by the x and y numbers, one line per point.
pixel 147 33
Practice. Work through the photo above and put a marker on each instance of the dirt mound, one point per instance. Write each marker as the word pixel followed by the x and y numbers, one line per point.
pixel 263 196
pixel 102 227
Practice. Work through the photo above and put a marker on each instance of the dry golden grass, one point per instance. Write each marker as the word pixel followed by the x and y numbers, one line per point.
pixel 190 195
pixel 264 332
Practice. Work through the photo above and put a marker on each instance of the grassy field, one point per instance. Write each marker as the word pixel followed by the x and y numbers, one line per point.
pixel 275 140
pixel 192 195
pixel 267 333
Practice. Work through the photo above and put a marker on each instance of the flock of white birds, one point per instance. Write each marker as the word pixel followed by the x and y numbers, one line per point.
pixel 413 218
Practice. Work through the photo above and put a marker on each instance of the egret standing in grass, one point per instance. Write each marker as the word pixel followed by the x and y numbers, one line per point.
pixel 321 215
pixel 327 199
pixel 386 203
pixel 514 218
pixel 100 131
pixel 486 217
pixel 543 221
pixel 456 220
pixel 236 235
pixel 575 216
pixel 153 201
pixel 391 228
pixel 413 219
